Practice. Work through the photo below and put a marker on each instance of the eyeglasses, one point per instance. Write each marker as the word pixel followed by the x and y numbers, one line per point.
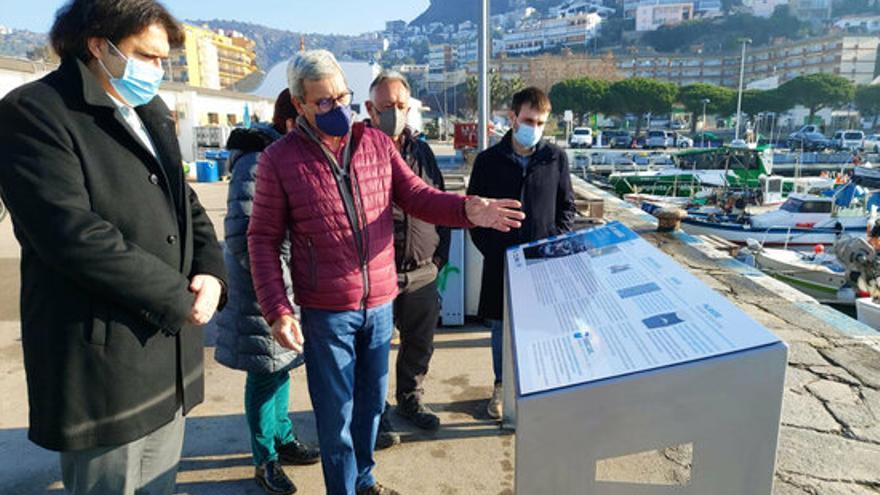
pixel 326 104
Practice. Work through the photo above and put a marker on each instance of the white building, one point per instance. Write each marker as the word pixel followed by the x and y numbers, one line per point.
pixel 532 37
pixel 653 15
pixel 708 8
pixel 5 30
pixel 513 18
pixel 15 72
pixel 867 23
pixel 763 8
pixel 441 57
pixel 201 107
pixel 209 63
pixel 575 7
pixel 370 43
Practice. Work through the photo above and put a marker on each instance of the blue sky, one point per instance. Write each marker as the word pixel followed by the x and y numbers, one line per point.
pixel 337 16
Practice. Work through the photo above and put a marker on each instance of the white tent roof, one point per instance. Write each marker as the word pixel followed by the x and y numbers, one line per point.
pixel 358 74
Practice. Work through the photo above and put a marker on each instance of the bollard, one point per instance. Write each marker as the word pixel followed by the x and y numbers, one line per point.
pixel 669 219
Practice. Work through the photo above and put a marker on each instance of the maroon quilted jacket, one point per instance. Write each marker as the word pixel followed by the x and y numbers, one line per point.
pixel 296 191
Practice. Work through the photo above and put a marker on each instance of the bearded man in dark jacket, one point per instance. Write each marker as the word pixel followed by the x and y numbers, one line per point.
pixel 524 167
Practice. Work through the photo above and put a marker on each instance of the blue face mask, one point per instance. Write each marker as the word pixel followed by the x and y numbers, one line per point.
pixel 139 83
pixel 528 136
pixel 336 122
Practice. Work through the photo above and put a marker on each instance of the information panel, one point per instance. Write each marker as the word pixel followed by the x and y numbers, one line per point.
pixel 603 302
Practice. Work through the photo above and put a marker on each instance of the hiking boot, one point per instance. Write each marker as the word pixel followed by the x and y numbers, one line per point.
pixel 271 478
pixel 297 453
pixel 378 489
pixel 386 437
pixel 418 414
pixel 494 408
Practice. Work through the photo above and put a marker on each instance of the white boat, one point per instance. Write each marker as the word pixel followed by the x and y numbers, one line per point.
pixel 819 275
pixel 804 220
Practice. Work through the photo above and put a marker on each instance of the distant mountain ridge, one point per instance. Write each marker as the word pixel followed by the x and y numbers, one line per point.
pixel 458 11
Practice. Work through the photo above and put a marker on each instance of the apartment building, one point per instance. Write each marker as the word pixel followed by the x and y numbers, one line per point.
pixel 212 59
pixel 544 34
pixel 852 57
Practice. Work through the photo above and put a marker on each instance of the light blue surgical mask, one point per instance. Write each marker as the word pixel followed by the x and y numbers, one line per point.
pixel 528 136
pixel 139 83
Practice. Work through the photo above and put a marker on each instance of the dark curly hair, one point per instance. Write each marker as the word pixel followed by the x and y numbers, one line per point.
pixel 284 110
pixel 79 20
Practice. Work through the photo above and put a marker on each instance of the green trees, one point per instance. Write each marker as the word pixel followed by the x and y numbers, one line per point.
pixel 581 96
pixel 692 97
pixel 639 95
pixel 636 95
pixel 867 101
pixel 818 91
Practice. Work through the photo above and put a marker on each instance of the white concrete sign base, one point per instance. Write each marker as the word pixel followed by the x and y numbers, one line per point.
pixel 727 407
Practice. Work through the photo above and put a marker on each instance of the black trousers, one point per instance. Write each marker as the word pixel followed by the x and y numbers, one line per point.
pixel 415 315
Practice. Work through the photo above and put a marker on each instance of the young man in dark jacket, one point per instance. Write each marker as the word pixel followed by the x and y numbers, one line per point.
pixel 420 249
pixel 119 261
pixel 523 167
pixel 244 339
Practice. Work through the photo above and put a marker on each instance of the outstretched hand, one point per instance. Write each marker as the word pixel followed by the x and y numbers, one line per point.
pixel 498 214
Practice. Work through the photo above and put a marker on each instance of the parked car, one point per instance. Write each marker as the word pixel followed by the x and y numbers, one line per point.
pixel 682 141
pixel 659 138
pixel 848 140
pixel 872 143
pixel 807 129
pixel 618 139
pixel 581 137
pixel 810 141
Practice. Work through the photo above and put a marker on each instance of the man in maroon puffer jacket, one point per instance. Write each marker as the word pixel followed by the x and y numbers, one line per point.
pixel 332 185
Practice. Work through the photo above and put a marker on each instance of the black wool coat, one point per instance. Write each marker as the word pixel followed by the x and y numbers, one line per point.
pixel 110 237
pixel 544 188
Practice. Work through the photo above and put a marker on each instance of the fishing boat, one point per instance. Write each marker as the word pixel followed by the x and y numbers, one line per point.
pixel 695 170
pixel 803 221
pixel 816 273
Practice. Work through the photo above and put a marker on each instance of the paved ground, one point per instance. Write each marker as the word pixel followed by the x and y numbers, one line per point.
pixel 830 439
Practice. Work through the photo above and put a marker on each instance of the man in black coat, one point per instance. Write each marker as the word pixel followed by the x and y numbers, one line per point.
pixel 120 263
pixel 522 167
pixel 420 251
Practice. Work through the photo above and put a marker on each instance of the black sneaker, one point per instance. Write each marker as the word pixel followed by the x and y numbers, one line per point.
pixel 271 478
pixel 387 437
pixel 297 453
pixel 378 489
pixel 418 414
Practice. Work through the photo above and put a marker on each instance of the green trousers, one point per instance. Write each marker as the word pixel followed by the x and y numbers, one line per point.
pixel 266 397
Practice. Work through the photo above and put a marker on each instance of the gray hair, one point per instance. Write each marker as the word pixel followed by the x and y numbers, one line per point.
pixel 389 75
pixel 311 65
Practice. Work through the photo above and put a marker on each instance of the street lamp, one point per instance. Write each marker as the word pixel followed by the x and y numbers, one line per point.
pixel 704 101
pixel 742 73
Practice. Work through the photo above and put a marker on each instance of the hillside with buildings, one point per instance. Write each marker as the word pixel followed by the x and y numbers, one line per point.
pixel 276 45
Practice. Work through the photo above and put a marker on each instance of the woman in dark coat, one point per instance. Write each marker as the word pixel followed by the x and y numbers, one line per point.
pixel 244 340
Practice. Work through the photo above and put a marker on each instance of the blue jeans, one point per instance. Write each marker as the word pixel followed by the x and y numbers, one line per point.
pixel 266 399
pixel 346 354
pixel 497 329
